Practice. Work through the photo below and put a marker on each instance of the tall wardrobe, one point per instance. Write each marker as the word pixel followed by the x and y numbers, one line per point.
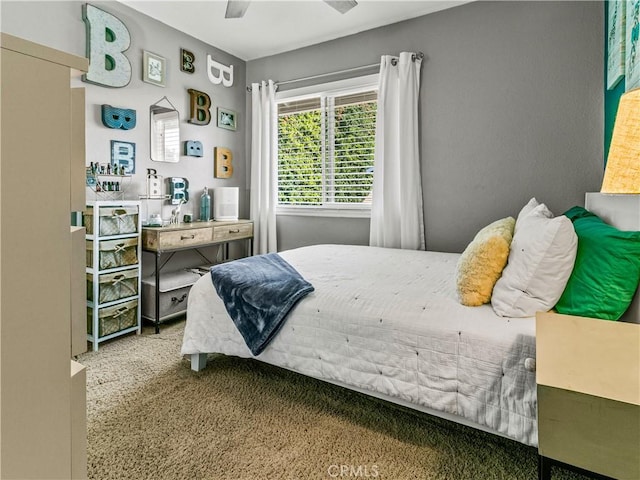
pixel 42 318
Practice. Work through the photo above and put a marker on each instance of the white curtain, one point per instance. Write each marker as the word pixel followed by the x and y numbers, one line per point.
pixel 396 212
pixel 264 166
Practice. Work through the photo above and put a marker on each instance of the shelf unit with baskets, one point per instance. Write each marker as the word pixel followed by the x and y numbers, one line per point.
pixel 113 243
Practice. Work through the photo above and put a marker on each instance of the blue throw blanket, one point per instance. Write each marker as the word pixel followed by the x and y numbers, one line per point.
pixel 258 293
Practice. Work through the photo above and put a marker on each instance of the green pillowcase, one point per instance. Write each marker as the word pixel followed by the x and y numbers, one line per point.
pixel 606 272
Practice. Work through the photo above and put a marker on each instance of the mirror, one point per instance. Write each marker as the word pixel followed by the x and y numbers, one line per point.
pixel 165 134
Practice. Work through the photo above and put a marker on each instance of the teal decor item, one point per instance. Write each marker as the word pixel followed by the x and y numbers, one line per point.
pixel 205 205
pixel 178 190
pixel 123 157
pixel 193 148
pixel 606 271
pixel 107 39
pixel 123 118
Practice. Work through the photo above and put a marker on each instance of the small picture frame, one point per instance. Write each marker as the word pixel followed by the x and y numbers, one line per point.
pixel 227 119
pixel 615 43
pixel 154 68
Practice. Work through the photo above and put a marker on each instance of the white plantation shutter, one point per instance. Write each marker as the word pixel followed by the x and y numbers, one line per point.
pixel 325 150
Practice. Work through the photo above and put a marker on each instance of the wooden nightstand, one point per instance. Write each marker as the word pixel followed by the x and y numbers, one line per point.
pixel 588 375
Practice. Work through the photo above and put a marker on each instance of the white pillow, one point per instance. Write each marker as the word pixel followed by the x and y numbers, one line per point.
pixel 540 263
pixel 530 207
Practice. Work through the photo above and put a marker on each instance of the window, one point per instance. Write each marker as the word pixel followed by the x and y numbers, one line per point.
pixel 325 149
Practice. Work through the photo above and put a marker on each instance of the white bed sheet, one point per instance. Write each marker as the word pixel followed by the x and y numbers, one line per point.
pixel 388 321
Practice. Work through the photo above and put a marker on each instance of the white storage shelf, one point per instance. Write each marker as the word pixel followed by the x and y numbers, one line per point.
pixel 113 291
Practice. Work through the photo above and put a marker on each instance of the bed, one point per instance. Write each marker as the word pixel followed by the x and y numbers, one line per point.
pixel 390 323
pixel 387 322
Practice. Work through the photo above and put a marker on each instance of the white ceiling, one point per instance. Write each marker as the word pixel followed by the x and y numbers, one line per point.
pixel 270 27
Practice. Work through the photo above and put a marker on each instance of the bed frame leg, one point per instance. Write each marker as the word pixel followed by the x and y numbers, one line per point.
pixel 544 468
pixel 198 361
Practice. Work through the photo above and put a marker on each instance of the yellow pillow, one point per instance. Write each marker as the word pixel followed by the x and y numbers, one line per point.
pixel 481 264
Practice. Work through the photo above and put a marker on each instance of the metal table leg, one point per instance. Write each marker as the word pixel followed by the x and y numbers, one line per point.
pixel 157 299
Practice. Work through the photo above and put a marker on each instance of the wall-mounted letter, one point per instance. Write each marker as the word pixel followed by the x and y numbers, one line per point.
pixel 188 61
pixel 223 158
pixel 124 118
pixel 200 104
pixel 193 148
pixel 123 155
pixel 178 190
pixel 222 70
pixel 107 38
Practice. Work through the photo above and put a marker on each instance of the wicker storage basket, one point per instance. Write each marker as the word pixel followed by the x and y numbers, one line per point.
pixel 113 319
pixel 113 220
pixel 114 253
pixel 114 286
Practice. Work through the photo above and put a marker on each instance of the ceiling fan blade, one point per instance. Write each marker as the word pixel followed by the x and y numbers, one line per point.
pixel 236 8
pixel 343 6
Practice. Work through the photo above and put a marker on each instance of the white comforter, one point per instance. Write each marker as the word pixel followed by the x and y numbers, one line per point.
pixel 388 321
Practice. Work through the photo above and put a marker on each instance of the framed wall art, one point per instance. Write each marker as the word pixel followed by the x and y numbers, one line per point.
pixel 227 119
pixel 631 52
pixel 154 69
pixel 615 43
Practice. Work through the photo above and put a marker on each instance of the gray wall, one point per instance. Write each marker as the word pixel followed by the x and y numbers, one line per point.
pixel 59 25
pixel 511 107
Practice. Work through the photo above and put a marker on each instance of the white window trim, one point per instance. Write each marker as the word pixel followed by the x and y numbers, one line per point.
pixel 315 211
pixel 348 86
pixel 343 87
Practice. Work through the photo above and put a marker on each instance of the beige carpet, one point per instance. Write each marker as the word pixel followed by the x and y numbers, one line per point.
pixel 151 417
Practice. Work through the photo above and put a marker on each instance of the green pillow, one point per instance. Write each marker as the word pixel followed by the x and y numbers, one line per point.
pixel 606 272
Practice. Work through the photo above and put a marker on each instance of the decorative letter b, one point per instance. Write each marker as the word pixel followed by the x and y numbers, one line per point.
pixel 107 38
pixel 124 118
pixel 223 159
pixel 200 103
pixel 226 80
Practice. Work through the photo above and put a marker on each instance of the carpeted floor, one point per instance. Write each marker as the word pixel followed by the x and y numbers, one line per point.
pixel 151 417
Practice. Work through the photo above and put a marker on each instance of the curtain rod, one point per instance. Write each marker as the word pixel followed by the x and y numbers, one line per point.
pixel 394 62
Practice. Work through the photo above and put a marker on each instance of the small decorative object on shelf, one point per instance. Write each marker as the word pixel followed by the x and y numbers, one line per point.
pixel 154 185
pixel 106 182
pixel 205 205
